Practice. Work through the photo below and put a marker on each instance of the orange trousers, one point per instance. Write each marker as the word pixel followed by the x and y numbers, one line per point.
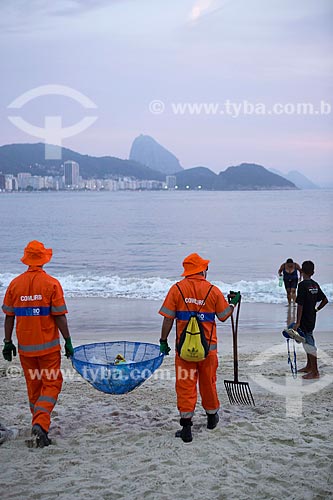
pixel 44 381
pixel 188 375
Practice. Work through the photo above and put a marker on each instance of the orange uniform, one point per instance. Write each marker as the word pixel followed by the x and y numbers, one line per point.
pixel 195 288
pixel 34 298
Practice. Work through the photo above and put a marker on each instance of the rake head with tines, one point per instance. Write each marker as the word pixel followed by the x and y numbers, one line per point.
pixel 239 393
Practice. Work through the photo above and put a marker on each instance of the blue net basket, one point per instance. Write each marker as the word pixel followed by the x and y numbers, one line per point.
pixel 97 364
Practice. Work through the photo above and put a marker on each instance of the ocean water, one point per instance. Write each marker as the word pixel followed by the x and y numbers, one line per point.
pixel 132 244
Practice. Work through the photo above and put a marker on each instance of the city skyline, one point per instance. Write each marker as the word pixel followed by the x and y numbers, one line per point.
pixel 24 181
pixel 246 69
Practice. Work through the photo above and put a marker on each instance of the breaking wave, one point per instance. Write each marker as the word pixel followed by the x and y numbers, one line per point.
pixel 155 288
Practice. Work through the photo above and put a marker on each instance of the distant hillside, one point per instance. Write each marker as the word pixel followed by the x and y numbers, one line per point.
pixel 15 158
pixel 300 180
pixel 250 176
pixel 195 177
pixel 149 152
pixel 242 177
pixel 246 176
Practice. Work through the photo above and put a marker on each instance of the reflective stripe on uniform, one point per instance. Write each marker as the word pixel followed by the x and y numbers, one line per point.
pixel 32 311
pixel 48 399
pixel 7 309
pixel 212 412
pixel 39 347
pixel 213 347
pixel 59 309
pixel 201 316
pixel 187 414
pixel 40 408
pixel 224 313
pixel 167 311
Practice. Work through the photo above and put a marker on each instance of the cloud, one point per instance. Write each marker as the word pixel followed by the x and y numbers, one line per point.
pixel 199 8
pixel 203 8
pixel 27 15
pixel 73 7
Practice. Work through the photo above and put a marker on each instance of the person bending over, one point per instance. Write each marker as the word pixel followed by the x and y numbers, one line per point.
pixel 290 270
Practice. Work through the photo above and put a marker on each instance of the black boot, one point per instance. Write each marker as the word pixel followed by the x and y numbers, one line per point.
pixel 212 420
pixel 185 433
pixel 42 439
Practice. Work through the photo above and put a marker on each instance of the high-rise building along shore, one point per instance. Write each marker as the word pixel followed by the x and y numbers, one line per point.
pixel 72 173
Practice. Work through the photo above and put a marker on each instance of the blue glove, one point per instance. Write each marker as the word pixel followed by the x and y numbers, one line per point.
pixel 164 347
pixel 9 351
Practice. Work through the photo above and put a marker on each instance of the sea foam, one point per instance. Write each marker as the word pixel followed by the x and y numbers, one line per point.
pixel 155 288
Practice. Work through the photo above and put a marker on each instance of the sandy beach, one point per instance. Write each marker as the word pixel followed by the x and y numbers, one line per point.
pixel 123 447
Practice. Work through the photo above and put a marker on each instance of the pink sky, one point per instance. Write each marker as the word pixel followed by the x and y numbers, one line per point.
pixel 125 54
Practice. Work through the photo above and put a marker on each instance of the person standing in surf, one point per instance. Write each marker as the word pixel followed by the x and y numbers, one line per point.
pixel 290 270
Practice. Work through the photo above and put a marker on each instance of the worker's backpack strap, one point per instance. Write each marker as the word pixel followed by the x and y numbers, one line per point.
pixel 193 345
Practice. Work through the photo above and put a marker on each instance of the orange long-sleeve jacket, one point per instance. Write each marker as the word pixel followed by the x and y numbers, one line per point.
pixel 34 297
pixel 195 289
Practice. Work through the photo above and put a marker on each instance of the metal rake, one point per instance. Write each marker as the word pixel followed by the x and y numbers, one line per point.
pixel 239 393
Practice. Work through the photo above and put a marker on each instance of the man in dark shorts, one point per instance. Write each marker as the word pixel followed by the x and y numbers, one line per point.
pixel 308 295
pixel 290 270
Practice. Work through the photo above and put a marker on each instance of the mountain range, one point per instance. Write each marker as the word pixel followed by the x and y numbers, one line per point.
pixel 15 158
pixel 148 151
pixel 247 176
